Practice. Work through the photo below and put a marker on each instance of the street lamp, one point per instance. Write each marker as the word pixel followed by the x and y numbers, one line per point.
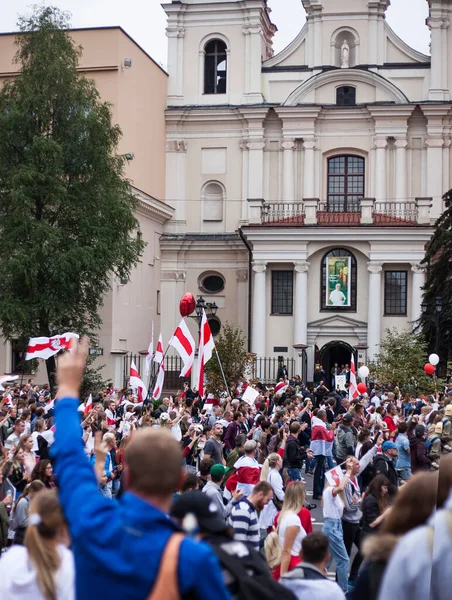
pixel 438 309
pixel 210 308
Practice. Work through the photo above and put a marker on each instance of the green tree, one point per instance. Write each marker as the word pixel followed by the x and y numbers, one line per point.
pixel 231 347
pixel 438 260
pixel 67 224
pixel 400 363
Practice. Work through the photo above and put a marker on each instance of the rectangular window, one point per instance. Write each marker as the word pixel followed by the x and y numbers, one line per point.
pixel 18 353
pixel 158 302
pixel 282 292
pixel 396 292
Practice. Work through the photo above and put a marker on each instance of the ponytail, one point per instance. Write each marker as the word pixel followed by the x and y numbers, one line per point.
pixel 44 523
pixel 270 463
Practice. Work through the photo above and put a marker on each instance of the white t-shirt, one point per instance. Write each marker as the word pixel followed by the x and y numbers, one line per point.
pixel 333 507
pixel 291 520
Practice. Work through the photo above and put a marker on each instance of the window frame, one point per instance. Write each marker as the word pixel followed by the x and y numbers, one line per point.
pixel 324 307
pixel 274 300
pixel 342 87
pixel 345 175
pixel 218 58
pixel 386 297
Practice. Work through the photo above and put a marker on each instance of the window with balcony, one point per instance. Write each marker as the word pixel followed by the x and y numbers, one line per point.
pixel 282 292
pixel 396 293
pixel 215 67
pixel 345 183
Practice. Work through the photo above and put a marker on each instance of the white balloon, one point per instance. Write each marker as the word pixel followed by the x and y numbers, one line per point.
pixel 433 359
pixel 363 371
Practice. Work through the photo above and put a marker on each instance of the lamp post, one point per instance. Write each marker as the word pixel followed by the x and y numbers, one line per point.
pixel 210 308
pixel 438 309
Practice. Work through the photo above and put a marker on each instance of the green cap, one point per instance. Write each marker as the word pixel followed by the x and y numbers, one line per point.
pixel 218 471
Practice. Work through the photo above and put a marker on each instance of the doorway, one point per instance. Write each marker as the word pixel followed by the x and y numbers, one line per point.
pixel 335 352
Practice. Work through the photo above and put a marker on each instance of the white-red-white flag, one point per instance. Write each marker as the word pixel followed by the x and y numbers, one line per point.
pixel 281 387
pixel 88 405
pixel 206 348
pixel 44 347
pixel 135 382
pixel 184 343
pixel 158 388
pixel 5 379
pixel 158 356
pixel 149 355
pixel 353 388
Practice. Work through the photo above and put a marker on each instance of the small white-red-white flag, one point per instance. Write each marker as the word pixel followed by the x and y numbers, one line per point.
pixel 206 348
pixel 5 379
pixel 88 405
pixel 334 476
pixel 49 406
pixel 149 355
pixel 281 387
pixel 158 356
pixel 353 388
pixel 158 388
pixel 44 347
pixel 184 343
pixel 136 382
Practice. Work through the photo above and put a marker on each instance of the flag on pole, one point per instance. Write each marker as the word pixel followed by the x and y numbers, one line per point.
pixel 353 388
pixel 334 476
pixel 158 356
pixel 206 348
pixel 158 388
pixel 149 355
pixel 135 382
pixel 88 405
pixel 6 378
pixel 184 343
pixel 44 347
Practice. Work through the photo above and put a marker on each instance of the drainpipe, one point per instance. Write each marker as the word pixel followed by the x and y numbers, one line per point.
pixel 250 284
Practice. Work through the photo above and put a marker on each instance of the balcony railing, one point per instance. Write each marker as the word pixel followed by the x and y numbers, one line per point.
pixel 363 212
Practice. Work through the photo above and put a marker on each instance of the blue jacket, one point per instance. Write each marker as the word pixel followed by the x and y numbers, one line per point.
pixel 118 545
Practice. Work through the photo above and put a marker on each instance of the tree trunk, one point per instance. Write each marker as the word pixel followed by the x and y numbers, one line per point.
pixel 51 373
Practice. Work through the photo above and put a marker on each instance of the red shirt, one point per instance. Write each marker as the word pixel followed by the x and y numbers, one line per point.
pixel 390 423
pixel 305 518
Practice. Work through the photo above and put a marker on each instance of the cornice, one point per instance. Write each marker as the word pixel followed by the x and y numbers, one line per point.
pixel 151 207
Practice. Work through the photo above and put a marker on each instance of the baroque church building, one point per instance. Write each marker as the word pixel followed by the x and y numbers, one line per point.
pixel 305 184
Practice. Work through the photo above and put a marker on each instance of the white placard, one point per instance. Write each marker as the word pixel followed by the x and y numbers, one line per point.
pixel 250 395
pixel 341 380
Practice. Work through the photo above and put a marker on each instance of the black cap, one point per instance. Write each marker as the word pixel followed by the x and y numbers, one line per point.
pixel 204 509
pixel 348 418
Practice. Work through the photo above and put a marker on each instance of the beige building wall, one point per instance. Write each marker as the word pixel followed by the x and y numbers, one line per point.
pixel 137 94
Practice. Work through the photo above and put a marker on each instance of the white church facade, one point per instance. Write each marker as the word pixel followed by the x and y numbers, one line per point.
pixel 305 184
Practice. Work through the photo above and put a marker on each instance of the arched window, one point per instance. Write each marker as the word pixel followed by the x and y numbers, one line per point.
pixel 213 199
pixel 346 95
pixel 345 183
pixel 215 67
pixel 339 279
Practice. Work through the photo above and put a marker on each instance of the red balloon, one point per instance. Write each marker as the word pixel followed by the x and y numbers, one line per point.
pixel 362 388
pixel 429 368
pixel 187 304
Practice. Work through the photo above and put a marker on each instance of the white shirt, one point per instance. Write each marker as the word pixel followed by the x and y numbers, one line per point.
pixel 291 520
pixel 18 576
pixel 333 507
pixel 270 511
pixel 337 298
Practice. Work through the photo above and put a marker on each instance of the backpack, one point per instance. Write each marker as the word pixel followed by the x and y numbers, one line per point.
pixel 429 444
pixel 253 579
pixel 273 549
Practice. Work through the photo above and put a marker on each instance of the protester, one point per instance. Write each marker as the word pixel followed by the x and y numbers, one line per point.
pixel 244 514
pixel 19 521
pixel 376 505
pixel 271 473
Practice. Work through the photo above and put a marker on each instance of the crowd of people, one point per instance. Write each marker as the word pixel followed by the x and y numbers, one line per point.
pixel 197 497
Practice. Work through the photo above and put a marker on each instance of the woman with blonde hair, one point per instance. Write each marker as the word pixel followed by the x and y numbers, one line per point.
pixel 43 569
pixel 270 473
pixel 26 444
pixel 290 530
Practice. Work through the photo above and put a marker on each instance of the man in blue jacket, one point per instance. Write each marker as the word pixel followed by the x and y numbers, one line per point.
pixel 118 546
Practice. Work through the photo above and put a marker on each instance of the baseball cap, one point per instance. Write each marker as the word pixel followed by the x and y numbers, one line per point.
pixel 218 470
pixel 200 505
pixel 388 446
pixel 347 418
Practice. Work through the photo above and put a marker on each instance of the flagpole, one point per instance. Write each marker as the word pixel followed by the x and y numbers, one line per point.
pixel 222 372
pixel 154 379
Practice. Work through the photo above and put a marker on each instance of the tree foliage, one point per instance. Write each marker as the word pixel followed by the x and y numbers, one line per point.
pixel 400 363
pixel 66 211
pixel 231 347
pixel 438 260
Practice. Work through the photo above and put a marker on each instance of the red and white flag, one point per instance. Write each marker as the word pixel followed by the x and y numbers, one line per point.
pixel 158 388
pixel 88 405
pixel 44 347
pixel 281 387
pixel 5 379
pixel 149 355
pixel 353 388
pixel 135 382
pixel 184 343
pixel 49 406
pixel 158 356
pixel 206 348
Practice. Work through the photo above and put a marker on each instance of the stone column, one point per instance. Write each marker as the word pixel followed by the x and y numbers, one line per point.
pixel 245 181
pixel 259 317
pixel 301 303
pixel 418 280
pixel 309 169
pixel 435 173
pixel 401 170
pixel 436 87
pixel 256 169
pixel 374 312
pixel 175 65
pixel 380 169
pixel 288 171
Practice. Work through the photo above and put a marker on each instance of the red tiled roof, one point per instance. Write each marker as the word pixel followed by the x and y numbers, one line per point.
pixel 334 219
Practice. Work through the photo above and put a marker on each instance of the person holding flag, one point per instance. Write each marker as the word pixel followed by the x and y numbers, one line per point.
pixel 206 348
pixel 353 388
pixel 136 382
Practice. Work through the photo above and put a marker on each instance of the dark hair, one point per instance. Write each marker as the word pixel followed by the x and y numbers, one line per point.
pixel 374 489
pixel 363 435
pixel 39 472
pixel 314 548
pixel 240 440
pixel 265 425
pixel 205 465
pixel 365 448
pixel 402 427
pixel 191 482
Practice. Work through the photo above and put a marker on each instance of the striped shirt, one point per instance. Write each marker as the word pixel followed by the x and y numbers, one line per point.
pixel 244 521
